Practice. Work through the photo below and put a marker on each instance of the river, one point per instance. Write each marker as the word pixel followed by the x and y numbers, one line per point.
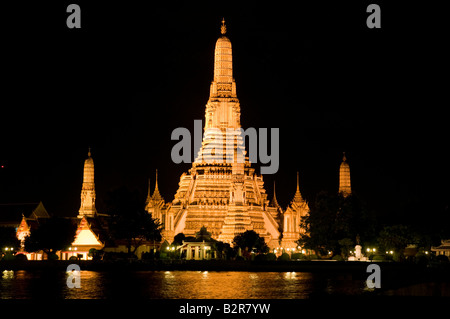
pixel 35 284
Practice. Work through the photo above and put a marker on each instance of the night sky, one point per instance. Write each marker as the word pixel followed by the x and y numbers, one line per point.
pixel 136 71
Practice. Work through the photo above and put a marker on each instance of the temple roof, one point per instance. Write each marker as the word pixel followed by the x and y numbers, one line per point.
pixel 298 196
pixel 11 214
pixel 274 202
pixel 156 195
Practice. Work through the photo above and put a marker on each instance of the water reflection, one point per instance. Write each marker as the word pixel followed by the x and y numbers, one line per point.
pixel 172 284
pixel 7 274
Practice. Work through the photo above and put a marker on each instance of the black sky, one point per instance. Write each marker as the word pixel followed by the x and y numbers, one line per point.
pixel 136 71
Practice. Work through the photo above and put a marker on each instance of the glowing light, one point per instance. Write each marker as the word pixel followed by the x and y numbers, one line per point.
pixel 86 237
pixel 8 274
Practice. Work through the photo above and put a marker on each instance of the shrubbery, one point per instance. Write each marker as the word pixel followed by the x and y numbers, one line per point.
pixel 296 256
pixel 271 257
pixel 378 258
pixel 284 257
pixel 442 258
pixel 338 258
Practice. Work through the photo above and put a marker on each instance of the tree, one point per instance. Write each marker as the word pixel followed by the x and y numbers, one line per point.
pixel 332 218
pixel 130 221
pixel 346 244
pixel 8 238
pixel 395 237
pixel 320 226
pixel 178 239
pixel 203 234
pixel 53 234
pixel 250 240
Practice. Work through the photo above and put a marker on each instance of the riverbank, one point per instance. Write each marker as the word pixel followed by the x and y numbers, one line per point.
pixel 220 265
pixel 194 265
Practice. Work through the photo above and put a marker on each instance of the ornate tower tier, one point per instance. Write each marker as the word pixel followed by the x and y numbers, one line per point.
pixel 87 207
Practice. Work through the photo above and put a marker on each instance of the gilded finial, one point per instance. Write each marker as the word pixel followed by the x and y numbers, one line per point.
pixel 89 152
pixel 223 28
pixel 344 158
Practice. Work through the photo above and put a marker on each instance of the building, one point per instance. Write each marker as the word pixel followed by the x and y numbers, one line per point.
pixel 292 230
pixel 202 247
pixel 24 217
pixel 91 230
pixel 222 191
pixel 443 248
pixel 13 215
pixel 87 237
pixel 192 250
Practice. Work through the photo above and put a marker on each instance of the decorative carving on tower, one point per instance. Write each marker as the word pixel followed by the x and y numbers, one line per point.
pixel 87 207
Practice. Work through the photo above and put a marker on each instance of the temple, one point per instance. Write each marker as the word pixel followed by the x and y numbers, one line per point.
pixel 297 209
pixel 91 228
pixel 222 191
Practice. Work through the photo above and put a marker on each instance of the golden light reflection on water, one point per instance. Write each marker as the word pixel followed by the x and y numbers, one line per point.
pixel 237 285
pixel 165 284
pixel 7 274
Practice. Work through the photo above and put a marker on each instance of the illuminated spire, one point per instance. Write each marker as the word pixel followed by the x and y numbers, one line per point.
pixel 298 196
pixel 156 195
pixel 223 28
pixel 223 59
pixel 149 196
pixel 344 178
pixel 274 198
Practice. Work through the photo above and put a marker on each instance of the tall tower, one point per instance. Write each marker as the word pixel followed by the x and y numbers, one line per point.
pixel 87 207
pixel 221 191
pixel 344 178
